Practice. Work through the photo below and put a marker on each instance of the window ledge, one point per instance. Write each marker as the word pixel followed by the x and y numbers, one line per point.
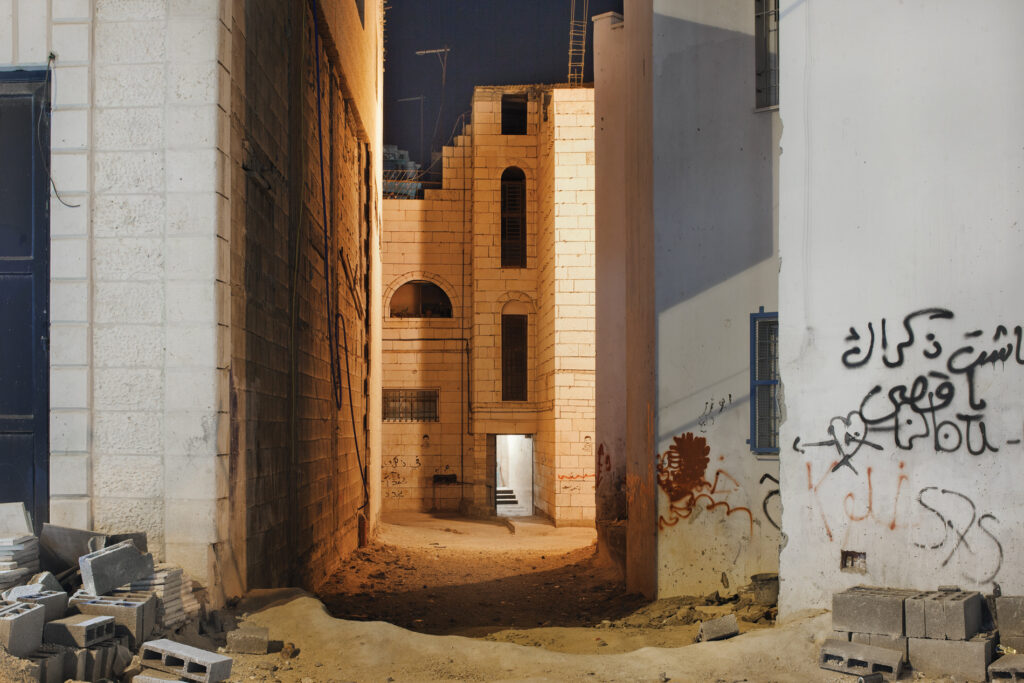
pixel 774 107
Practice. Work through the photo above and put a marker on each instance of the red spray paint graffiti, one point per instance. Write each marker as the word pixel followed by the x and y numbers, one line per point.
pixel 681 475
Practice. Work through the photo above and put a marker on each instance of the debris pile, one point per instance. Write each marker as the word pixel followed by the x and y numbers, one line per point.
pixel 120 604
pixel 946 632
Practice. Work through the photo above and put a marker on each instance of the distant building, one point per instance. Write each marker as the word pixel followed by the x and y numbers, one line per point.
pixel 401 175
pixel 488 384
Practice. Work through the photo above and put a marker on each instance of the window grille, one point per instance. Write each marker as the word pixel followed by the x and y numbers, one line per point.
pixel 766 42
pixel 513 218
pixel 764 382
pixel 410 405
pixel 513 357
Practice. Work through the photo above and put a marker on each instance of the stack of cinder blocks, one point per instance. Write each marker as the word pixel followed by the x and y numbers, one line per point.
pixel 19 548
pixel 938 633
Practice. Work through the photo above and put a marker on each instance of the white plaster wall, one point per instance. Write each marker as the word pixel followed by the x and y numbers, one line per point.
pixel 901 190
pixel 136 274
pixel 714 255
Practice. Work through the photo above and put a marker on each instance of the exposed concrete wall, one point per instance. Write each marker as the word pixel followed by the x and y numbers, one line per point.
pixel 714 264
pixel 610 284
pixel 900 207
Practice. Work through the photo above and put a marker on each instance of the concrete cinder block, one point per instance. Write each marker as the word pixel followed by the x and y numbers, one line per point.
pixel 188 662
pixel 1010 615
pixel 251 640
pixel 133 613
pixel 944 615
pixel 55 602
pixel 105 570
pixel 966 658
pixel 1015 643
pixel 80 630
pixel 21 627
pixel 914 615
pixel 718 629
pixel 54 662
pixel 898 643
pixel 861 660
pixel 1007 668
pixel 862 638
pixel 864 609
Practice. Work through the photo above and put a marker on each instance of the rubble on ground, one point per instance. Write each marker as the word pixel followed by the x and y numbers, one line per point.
pixel 945 632
pixel 100 610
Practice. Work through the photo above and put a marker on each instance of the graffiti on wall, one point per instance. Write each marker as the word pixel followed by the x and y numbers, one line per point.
pixel 963 532
pixel 682 473
pixel 712 408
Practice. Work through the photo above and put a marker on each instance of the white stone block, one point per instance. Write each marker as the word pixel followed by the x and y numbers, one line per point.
pixel 191 127
pixel 127 389
pixel 191 389
pixel 192 214
pixel 192 83
pixel 192 170
pixel 191 521
pixel 128 216
pixel 136 128
pixel 190 433
pixel 128 476
pixel 191 302
pixel 129 172
pixel 191 258
pixel 192 40
pixel 129 302
pixel 71 43
pixel 69 302
pixel 69 258
pixel 69 431
pixel 69 475
pixel 130 42
pixel 33 45
pixel 70 86
pixel 69 344
pixel 191 346
pixel 130 10
pixel 128 346
pixel 137 514
pixel 129 85
pixel 209 9
pixel 128 258
pixel 70 171
pixel 71 512
pixel 70 10
pixel 69 129
pixel 124 433
pixel 190 477
pixel 69 387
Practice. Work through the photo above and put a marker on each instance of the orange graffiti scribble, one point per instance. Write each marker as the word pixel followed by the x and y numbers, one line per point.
pixel 680 512
pixel 586 475
pixel 850 498
pixel 811 486
pixel 871 502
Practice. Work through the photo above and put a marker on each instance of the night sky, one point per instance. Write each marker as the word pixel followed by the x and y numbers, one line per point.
pixel 492 42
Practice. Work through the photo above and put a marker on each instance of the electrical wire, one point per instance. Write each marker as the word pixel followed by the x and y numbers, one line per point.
pixel 44 154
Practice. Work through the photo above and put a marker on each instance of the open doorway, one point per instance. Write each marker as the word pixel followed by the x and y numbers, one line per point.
pixel 514 475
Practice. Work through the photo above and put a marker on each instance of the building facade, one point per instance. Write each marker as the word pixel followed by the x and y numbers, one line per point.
pixel 489 316
pixel 203 165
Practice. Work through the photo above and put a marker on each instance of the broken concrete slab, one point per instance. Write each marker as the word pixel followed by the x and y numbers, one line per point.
pixel 48 581
pixel 15 520
pixel 188 662
pixel 21 627
pixel 79 630
pixel 110 568
pixel 718 629
pixel 966 658
pixel 60 547
pixel 858 659
pixel 250 640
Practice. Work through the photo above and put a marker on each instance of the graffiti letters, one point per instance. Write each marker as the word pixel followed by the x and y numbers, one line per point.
pixel 773 493
pixel 712 408
pixel 963 531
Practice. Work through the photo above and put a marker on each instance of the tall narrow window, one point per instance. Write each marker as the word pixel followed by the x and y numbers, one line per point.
pixel 513 218
pixel 764 382
pixel 766 46
pixel 513 114
pixel 513 357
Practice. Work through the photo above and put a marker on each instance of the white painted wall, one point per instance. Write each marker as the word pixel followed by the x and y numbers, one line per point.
pixel 138 268
pixel 901 190
pixel 714 262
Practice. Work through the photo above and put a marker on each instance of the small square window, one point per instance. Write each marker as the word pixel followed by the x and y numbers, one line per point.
pixel 764 382
pixel 410 405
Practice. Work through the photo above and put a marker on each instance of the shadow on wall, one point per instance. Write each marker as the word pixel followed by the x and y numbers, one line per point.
pixel 712 162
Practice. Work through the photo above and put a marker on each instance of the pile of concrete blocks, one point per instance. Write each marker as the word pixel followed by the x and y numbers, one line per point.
pixel 943 633
pixel 19 548
pixel 166 585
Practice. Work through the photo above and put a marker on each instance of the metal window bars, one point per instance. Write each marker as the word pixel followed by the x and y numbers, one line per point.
pixel 764 382
pixel 410 405
pixel 766 41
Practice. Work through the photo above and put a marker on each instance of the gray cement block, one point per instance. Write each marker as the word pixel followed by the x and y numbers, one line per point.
pixel 1010 615
pixel 1013 642
pixel 842 635
pixel 56 604
pixel 718 629
pixel 860 660
pixel 862 638
pixel 944 615
pixel 53 661
pixel 914 621
pixel 1007 668
pixel 962 614
pixel 250 640
pixel 80 630
pixel 966 658
pixel 110 568
pixel 48 581
pixel 135 613
pixel 865 609
pixel 14 520
pixel 21 627
pixel 188 662
pixel 898 643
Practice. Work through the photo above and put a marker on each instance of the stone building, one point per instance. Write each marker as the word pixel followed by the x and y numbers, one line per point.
pixel 488 337
pixel 194 319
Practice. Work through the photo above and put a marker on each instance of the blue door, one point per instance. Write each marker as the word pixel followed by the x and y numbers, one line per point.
pixel 24 291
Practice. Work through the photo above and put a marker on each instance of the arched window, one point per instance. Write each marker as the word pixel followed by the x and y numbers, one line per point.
pixel 513 218
pixel 420 299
